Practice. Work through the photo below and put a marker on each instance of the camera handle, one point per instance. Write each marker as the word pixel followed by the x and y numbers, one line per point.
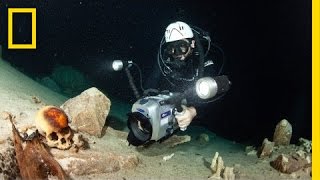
pixel 177 102
pixel 179 111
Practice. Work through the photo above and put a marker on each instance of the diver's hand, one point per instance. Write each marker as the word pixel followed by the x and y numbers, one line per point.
pixel 185 118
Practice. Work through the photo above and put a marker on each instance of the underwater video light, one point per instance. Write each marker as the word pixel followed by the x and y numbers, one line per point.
pixel 118 65
pixel 208 87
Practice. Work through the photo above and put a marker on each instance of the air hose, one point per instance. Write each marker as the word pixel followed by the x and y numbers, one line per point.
pixel 132 85
pixel 201 55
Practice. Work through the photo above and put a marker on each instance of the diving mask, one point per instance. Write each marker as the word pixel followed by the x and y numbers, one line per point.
pixel 179 49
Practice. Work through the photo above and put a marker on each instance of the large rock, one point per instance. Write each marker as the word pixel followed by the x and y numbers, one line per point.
pixel 88 111
pixel 282 134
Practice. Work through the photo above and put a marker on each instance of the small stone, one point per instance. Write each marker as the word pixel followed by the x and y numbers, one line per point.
pixel 36 100
pixel 249 148
pixel 266 148
pixel 203 138
pixel 252 152
pixel 305 144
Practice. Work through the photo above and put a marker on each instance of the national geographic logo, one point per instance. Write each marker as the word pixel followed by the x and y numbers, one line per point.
pixel 11 30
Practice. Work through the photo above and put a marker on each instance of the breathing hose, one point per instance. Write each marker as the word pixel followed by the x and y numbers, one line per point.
pixel 201 55
pixel 132 85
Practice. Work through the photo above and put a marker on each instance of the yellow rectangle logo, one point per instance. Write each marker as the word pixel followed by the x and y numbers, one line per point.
pixel 10 28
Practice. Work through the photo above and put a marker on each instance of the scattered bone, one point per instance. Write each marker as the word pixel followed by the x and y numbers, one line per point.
pixel 26 128
pixel 166 158
pixel 79 143
pixel 7 116
pixel 219 170
pixel 176 140
pixel 97 163
pixel 214 162
pixel 29 134
pixel 216 166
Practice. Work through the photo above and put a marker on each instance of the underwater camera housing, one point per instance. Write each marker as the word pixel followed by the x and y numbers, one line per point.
pixel 152 118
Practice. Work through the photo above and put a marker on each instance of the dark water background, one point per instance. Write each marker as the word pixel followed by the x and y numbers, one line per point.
pixel 267 47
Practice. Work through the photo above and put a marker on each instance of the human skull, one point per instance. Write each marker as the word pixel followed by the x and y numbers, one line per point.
pixel 52 122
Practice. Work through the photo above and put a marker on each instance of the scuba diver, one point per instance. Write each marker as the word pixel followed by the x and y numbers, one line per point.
pixel 185 54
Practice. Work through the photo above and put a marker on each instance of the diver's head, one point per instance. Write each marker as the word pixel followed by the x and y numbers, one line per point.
pixel 179 39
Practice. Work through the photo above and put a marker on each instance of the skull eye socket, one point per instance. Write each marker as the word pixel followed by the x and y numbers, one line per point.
pixel 64 131
pixel 53 136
